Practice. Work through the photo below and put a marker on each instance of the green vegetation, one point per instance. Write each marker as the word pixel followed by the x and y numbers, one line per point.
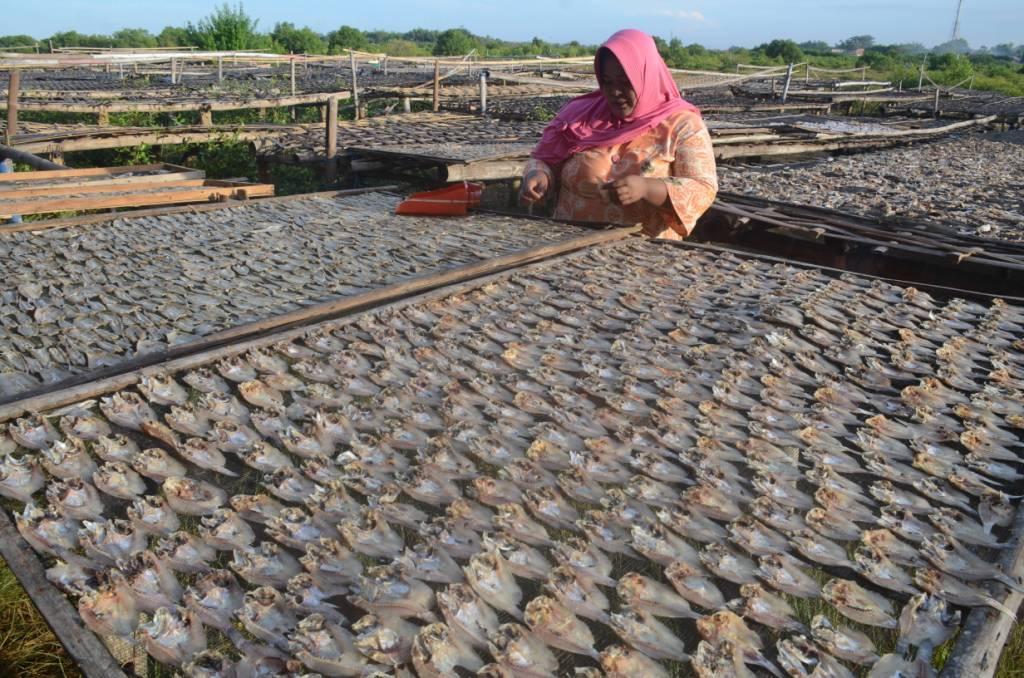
pixel 227 29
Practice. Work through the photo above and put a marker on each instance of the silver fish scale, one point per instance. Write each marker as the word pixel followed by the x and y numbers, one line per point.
pixel 77 299
pixel 666 408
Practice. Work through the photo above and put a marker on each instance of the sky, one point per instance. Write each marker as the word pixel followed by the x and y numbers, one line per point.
pixel 713 23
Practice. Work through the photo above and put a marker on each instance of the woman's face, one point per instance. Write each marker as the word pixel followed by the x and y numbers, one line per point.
pixel 615 86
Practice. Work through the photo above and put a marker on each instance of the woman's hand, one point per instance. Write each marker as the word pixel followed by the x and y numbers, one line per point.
pixel 535 187
pixel 634 188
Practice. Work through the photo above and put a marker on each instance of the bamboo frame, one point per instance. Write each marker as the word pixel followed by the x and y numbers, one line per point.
pixel 182 105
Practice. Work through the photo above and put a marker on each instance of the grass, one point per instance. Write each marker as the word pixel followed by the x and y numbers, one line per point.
pixel 28 648
pixel 1011 664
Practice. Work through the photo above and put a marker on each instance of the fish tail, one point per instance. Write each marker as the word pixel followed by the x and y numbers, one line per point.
pixel 1012 583
pixel 996 605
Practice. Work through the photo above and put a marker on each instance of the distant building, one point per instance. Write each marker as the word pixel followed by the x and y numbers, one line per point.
pixel 859 52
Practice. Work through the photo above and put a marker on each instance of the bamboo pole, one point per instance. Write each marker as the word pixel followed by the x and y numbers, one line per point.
pixel 789 79
pixel 483 92
pixel 331 166
pixel 355 86
pixel 935 110
pixel 437 85
pixel 12 103
pixel 292 62
pixel 220 70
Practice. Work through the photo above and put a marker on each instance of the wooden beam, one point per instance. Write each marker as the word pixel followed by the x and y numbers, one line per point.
pixel 91 176
pixel 85 649
pixel 12 103
pixel 122 199
pixel 178 106
pixel 93 219
pixel 98 187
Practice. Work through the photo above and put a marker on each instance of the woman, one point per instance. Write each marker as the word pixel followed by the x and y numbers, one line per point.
pixel 631 152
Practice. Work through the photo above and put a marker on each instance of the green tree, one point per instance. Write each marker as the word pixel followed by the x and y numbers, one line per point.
pixel 1005 49
pixel 538 46
pixel 911 48
pixel 455 42
pixel 787 50
pixel 399 47
pixel 17 41
pixel 958 46
pixel 228 28
pixel 134 37
pixel 298 40
pixel 818 46
pixel 421 35
pixel 76 39
pixel 173 36
pixel 345 38
pixel 857 42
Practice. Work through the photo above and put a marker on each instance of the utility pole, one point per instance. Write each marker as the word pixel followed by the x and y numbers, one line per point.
pixel 956 20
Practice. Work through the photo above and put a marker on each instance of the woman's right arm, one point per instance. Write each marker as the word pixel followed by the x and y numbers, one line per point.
pixel 538 179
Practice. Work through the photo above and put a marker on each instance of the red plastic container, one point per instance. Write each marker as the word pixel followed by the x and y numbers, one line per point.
pixel 454 200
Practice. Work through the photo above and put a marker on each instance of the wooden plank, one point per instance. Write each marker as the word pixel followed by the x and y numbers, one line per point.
pixel 88 653
pixel 98 187
pixel 487 170
pixel 185 356
pixel 37 179
pixel 92 219
pixel 121 199
pixel 87 172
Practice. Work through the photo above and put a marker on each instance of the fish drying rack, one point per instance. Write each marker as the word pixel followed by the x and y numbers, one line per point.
pixel 677 322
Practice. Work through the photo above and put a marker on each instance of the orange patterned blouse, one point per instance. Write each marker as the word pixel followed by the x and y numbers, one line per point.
pixel 678 149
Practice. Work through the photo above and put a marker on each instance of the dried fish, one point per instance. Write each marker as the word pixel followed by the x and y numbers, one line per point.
pixel 859 604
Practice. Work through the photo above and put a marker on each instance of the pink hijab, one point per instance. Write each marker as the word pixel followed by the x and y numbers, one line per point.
pixel 587 122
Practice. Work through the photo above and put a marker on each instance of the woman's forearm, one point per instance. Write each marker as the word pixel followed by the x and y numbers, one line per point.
pixel 655 191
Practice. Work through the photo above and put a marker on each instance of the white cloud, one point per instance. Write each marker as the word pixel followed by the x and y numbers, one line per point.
pixel 683 15
pixel 691 16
